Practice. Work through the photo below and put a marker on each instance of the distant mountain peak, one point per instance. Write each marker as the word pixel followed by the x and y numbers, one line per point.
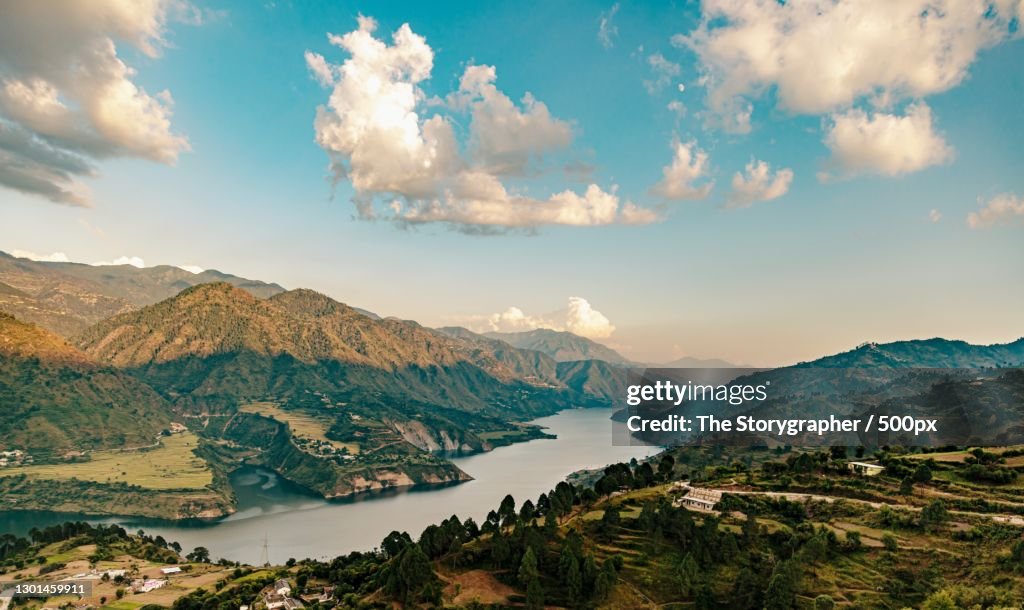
pixel 561 345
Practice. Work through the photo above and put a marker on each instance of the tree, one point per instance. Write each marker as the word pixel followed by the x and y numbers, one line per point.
pixel 507 509
pixel 528 568
pixel 199 555
pixel 610 521
pixel 409 574
pixel 527 512
pixel 574 582
pixel 666 467
pixel 853 540
pixel 890 543
pixel 923 474
pixel 781 591
pixel 907 486
pixel 687 575
pixel 823 602
pixel 395 542
pixel 534 595
pixel 934 515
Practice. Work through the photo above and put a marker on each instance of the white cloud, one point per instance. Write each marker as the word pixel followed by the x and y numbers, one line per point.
pixel 67 99
pixel 663 70
pixel 505 138
pixel 758 184
pixel 585 321
pixel 689 166
pixel 934 215
pixel 817 57
pixel 134 261
pixel 886 144
pixel 607 31
pixel 578 317
pixel 1001 209
pixel 191 269
pixel 55 257
pixel 408 167
pixel 320 69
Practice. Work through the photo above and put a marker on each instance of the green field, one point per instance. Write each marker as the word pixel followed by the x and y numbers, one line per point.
pixel 171 465
pixel 301 424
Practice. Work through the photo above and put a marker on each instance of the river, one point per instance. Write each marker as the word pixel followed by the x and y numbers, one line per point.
pixel 296 524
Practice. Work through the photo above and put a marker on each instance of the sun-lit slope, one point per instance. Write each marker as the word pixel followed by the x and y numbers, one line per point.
pixel 55 398
pixel 222 343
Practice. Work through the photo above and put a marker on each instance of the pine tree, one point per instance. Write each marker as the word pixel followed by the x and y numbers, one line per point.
pixel 528 568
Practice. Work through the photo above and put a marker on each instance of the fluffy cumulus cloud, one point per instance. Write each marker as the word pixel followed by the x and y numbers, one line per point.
pixel 505 138
pixel 607 31
pixel 1001 209
pixel 405 162
pixel 934 215
pixel 680 178
pixel 820 56
pixel 578 317
pixel 68 99
pixel 887 144
pixel 757 183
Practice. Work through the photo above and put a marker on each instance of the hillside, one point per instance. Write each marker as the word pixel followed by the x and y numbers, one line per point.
pixel 58 399
pixel 926 353
pixel 330 398
pixel 68 297
pixel 219 344
pixel 560 345
pixel 973 389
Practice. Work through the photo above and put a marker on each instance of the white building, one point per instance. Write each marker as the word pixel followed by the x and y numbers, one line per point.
pixel 697 498
pixel 865 469
pixel 282 587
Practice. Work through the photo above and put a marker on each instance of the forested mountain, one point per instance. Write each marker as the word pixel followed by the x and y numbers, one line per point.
pixel 560 345
pixel 67 297
pixel 218 344
pixel 57 399
pixel 927 353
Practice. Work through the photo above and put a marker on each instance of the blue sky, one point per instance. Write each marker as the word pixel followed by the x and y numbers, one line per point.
pixel 881 249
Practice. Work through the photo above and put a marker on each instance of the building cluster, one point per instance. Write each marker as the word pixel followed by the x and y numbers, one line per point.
pixel 14 457
pixel 279 595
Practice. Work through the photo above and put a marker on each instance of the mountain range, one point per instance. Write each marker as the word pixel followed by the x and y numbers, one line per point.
pixel 332 397
pixel 560 345
pixel 66 298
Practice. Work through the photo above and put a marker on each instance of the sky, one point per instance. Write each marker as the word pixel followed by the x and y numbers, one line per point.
pixel 757 181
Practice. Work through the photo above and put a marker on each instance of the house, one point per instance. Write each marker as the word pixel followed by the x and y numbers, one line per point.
pixel 274 601
pixel 150 585
pixel 865 469
pixel 291 603
pixel 282 587
pixel 170 570
pixel 696 498
pixel 326 595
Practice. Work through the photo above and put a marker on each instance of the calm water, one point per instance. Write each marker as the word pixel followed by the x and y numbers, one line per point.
pixel 296 524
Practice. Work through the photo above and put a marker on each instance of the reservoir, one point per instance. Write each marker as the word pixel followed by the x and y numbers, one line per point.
pixel 293 523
